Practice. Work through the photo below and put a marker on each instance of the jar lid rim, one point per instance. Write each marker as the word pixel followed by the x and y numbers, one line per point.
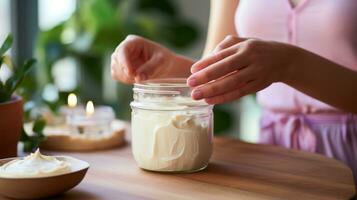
pixel 163 83
pixel 191 107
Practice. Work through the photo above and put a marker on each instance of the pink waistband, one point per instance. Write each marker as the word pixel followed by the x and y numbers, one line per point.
pixel 295 130
pixel 314 117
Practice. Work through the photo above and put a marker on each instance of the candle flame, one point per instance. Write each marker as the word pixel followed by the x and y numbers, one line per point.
pixel 90 108
pixel 72 100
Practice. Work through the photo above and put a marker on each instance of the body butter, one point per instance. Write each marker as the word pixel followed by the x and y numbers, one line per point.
pixel 169 141
pixel 35 165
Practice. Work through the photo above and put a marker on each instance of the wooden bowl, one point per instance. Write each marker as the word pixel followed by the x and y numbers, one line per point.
pixel 41 187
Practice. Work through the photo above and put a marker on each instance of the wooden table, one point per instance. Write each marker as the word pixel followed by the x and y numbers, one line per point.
pixel 237 171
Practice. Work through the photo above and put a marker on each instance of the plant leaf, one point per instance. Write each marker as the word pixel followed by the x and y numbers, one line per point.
pixel 28 64
pixel 38 126
pixel 6 45
pixel 24 135
pixel 7 61
pixel 19 74
pixel 33 141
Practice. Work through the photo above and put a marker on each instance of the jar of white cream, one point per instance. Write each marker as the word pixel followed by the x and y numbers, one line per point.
pixel 171 132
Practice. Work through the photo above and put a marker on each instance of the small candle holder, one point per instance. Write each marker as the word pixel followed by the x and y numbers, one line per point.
pixel 97 122
pixel 85 129
pixel 68 111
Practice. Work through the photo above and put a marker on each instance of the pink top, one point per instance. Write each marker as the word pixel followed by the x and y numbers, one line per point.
pixel 325 27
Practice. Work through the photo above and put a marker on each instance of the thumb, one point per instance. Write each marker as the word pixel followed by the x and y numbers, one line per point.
pixel 147 69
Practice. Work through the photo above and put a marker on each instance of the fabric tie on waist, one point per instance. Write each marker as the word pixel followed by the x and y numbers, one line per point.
pixel 288 130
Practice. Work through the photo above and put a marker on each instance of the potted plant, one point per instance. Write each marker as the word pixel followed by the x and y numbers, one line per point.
pixel 11 110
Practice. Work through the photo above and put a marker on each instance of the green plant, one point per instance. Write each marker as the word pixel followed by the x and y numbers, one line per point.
pixel 33 141
pixel 8 88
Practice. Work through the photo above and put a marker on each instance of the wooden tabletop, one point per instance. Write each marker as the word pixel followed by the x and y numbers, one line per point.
pixel 237 170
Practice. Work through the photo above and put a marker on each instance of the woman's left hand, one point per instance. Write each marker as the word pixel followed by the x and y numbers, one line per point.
pixel 238 67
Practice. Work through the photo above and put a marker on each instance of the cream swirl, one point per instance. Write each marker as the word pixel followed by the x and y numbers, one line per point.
pixel 35 165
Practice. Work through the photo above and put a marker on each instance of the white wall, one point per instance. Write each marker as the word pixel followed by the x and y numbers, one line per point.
pixel 4 19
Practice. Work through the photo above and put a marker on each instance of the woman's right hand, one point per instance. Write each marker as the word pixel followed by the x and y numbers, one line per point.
pixel 137 59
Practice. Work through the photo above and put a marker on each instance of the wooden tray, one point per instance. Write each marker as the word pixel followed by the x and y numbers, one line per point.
pixel 60 139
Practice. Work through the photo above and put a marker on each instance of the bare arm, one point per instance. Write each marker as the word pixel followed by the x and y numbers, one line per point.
pixel 221 22
pixel 323 80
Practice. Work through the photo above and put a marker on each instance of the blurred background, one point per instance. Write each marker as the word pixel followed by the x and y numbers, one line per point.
pixel 72 41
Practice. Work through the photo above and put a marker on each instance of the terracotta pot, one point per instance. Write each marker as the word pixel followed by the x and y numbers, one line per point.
pixel 11 115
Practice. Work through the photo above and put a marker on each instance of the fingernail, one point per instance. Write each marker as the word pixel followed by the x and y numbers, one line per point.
pixel 192 82
pixel 197 94
pixel 192 69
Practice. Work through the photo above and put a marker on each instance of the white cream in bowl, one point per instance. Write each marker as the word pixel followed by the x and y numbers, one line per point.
pixel 37 165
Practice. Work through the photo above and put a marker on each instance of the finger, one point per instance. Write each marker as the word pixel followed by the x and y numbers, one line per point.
pixel 113 66
pixel 149 68
pixel 221 68
pixel 223 85
pixel 127 51
pixel 228 41
pixel 250 87
pixel 211 59
pixel 122 56
pixel 117 73
pixel 218 53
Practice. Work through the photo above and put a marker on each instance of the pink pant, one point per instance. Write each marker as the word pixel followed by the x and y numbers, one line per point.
pixel 333 135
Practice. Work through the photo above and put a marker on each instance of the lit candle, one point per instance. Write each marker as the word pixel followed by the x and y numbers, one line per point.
pixel 72 100
pixel 92 121
pixel 71 108
pixel 90 108
pixel 66 112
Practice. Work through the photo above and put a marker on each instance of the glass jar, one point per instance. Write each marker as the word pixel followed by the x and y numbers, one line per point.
pixel 171 132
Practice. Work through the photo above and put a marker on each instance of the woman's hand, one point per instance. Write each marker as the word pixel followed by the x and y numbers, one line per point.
pixel 238 67
pixel 137 59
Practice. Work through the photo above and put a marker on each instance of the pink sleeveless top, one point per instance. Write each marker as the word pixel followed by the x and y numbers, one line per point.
pixel 325 27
